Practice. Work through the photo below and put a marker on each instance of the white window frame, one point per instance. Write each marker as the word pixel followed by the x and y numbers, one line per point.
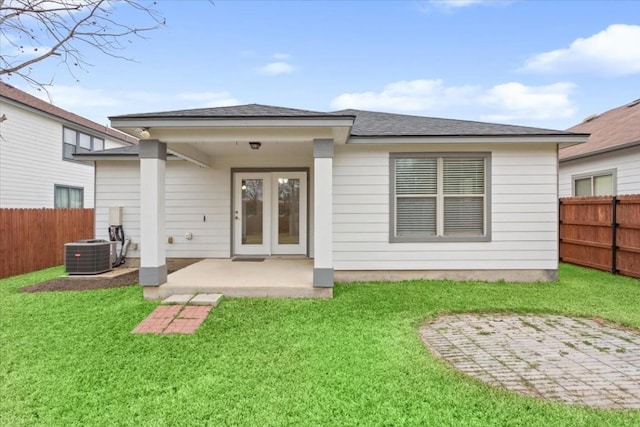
pixel 68 188
pixel 440 196
pixel 592 176
pixel 93 141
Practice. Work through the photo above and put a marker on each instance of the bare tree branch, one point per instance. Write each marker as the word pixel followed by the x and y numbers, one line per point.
pixel 32 31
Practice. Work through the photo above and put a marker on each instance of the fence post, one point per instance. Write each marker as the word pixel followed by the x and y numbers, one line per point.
pixel 614 237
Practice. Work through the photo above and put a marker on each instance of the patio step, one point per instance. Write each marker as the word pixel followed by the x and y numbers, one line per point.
pixel 193 299
pixel 206 299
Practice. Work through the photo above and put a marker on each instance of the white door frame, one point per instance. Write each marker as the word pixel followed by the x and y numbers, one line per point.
pixel 270 217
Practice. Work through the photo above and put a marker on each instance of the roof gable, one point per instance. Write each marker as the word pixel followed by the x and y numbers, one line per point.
pixel 14 94
pixel 613 129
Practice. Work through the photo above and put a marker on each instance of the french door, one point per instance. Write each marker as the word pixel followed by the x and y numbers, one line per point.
pixel 270 213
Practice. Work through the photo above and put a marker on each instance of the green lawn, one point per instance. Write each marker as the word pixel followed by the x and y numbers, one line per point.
pixel 68 358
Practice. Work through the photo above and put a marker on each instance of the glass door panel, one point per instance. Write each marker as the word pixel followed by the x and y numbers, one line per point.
pixel 289 227
pixel 252 215
pixel 288 211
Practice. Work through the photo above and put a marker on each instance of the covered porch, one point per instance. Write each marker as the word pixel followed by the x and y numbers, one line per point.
pixel 280 277
pixel 270 170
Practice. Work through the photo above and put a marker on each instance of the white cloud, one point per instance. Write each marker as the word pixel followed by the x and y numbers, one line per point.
pixel 208 99
pixel 98 104
pixel 281 56
pixel 13 47
pixel 515 101
pixel 414 95
pixel 275 68
pixel 459 4
pixel 504 102
pixel 614 51
pixel 71 97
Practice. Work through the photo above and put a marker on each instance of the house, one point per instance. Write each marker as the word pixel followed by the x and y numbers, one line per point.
pixel 365 195
pixel 609 163
pixel 37 143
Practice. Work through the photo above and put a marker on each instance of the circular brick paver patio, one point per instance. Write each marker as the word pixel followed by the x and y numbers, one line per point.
pixel 573 360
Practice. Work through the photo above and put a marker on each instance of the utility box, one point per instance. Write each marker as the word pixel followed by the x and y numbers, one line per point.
pixel 115 215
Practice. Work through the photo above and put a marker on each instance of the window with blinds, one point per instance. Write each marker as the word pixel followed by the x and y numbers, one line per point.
pixel 600 183
pixel 68 197
pixel 439 196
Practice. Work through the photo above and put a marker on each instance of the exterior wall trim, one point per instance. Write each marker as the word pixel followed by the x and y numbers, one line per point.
pixel 322 148
pixel 153 276
pixel 152 149
pixel 517 276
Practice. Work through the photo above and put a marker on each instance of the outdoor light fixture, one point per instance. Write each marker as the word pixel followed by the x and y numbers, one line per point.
pixel 255 145
pixel 144 133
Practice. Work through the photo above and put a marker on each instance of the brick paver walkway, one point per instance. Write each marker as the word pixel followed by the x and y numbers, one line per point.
pixel 173 319
pixel 573 360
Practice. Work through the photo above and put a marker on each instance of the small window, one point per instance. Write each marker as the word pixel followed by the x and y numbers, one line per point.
pixel 596 184
pixel 78 142
pixel 68 197
pixel 439 197
pixel 98 144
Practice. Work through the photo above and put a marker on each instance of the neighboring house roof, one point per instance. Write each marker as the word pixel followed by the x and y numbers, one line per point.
pixel 16 95
pixel 372 124
pixel 612 130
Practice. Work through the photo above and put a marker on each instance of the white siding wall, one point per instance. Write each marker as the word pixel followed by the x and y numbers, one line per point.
pixel 626 162
pixel 192 192
pixel 31 161
pixel 524 213
pixel 523 193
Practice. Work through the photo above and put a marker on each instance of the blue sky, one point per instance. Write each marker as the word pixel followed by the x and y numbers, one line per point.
pixel 539 63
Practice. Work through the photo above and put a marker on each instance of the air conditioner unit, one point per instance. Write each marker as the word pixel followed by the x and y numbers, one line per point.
pixel 88 256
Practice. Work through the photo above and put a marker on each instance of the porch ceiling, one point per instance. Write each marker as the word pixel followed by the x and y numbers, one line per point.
pixel 238 131
pixel 237 148
pixel 201 145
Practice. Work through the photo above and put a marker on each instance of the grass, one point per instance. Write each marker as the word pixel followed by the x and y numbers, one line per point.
pixel 68 358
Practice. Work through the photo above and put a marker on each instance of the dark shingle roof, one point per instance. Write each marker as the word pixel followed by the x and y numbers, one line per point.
pixel 367 123
pixel 372 124
pixel 128 150
pixel 236 111
pixel 125 151
pixel 21 97
pixel 613 129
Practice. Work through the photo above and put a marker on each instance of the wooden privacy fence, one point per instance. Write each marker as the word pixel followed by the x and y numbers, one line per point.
pixel 602 233
pixel 33 239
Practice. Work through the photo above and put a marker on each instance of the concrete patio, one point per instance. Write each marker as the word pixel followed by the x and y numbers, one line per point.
pixel 273 277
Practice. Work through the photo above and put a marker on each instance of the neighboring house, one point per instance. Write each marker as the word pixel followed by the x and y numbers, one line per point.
pixel 366 195
pixel 37 143
pixel 609 163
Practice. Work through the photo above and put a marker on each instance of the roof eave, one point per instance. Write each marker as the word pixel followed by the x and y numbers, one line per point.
pixel 600 151
pixel 443 139
pixel 119 122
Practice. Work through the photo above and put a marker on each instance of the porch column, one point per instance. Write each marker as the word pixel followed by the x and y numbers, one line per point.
pixel 323 213
pixel 153 263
